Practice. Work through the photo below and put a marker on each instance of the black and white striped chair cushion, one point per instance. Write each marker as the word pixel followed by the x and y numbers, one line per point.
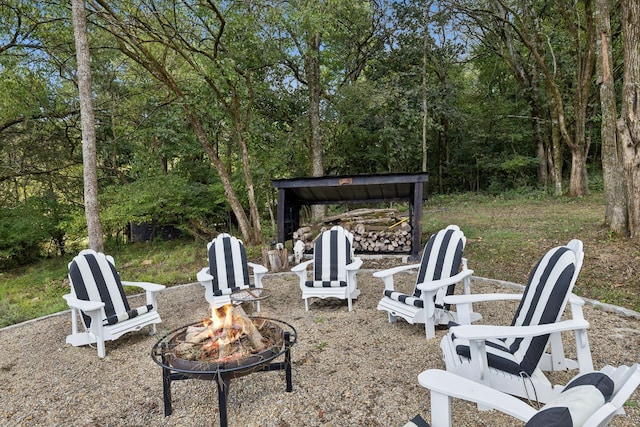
pixel 94 278
pixel 228 265
pixel 584 395
pixel 417 421
pixel 331 254
pixel 441 258
pixel 542 303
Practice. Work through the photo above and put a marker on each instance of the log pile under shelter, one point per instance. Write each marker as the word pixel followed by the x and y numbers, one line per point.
pixel 374 230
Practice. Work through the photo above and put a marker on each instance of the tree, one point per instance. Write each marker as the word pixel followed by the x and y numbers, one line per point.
pixel 629 122
pixel 566 63
pixel 89 156
pixel 325 45
pixel 612 167
pixel 194 50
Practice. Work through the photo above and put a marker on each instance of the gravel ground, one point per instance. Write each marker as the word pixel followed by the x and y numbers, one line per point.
pixel 349 368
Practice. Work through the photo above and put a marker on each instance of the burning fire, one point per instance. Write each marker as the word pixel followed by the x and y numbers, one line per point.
pixel 228 331
pixel 224 328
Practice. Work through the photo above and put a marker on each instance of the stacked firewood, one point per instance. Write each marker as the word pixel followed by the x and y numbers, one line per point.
pixel 374 230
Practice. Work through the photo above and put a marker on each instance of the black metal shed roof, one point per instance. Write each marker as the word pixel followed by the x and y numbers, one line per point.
pixel 353 189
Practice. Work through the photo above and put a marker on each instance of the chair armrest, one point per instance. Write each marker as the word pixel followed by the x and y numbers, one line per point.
pixel 204 276
pixel 575 300
pixel 391 271
pixel 473 298
pixel 302 267
pixel 301 271
pixel 86 306
pixel 258 272
pixel 147 286
pixel 434 285
pixel 482 332
pixel 387 275
pixel 151 289
pixel 257 268
pixel 355 265
pixel 448 384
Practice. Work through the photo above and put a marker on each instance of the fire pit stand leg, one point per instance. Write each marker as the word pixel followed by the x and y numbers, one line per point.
pixel 167 377
pixel 166 391
pixel 287 361
pixel 223 384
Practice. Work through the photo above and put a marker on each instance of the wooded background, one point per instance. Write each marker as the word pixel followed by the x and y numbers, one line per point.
pixel 200 104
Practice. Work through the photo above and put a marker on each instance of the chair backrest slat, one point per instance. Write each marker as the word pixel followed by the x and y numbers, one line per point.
pixel 228 263
pixel 442 257
pixel 332 253
pixel 94 277
pixel 543 302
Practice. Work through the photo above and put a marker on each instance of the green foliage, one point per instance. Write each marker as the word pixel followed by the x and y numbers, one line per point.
pixel 25 227
pixel 170 199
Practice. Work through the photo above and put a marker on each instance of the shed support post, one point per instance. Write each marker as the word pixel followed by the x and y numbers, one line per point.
pixel 416 221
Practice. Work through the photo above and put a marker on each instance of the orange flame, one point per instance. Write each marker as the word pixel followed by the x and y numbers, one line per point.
pixel 223 325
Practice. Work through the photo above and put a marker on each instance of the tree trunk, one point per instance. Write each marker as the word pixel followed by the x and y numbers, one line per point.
pixel 628 124
pixel 578 182
pixel 555 154
pixel 425 106
pixel 612 172
pixel 585 67
pixel 241 126
pixel 223 173
pixel 312 70
pixel 89 156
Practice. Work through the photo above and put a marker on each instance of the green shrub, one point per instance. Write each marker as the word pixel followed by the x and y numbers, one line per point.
pixel 25 227
pixel 193 208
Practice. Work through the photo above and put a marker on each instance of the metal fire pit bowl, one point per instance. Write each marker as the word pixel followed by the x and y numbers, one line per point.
pixel 175 368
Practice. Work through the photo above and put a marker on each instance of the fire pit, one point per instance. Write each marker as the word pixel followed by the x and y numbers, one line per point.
pixel 227 346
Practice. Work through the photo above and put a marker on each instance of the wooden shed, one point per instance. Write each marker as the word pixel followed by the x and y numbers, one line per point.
pixel 295 193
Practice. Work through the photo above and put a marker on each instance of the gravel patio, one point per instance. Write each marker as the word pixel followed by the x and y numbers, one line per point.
pixel 349 368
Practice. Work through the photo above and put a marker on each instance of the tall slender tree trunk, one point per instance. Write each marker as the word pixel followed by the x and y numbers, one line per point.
pixel 612 172
pixel 555 152
pixel 628 124
pixel 425 104
pixel 312 70
pixel 89 156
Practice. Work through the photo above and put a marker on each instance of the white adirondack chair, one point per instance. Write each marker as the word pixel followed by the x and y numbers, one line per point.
pixel 228 271
pixel 334 268
pixel 590 399
pixel 440 269
pixel 512 358
pixel 97 297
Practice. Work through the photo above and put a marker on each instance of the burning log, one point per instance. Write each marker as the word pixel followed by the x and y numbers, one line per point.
pixel 229 335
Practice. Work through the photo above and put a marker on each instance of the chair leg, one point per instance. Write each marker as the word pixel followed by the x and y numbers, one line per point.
pixel 430 327
pixel 101 347
pixel 440 410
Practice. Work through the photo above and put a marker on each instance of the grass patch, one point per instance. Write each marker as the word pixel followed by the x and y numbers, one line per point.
pixel 506 235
